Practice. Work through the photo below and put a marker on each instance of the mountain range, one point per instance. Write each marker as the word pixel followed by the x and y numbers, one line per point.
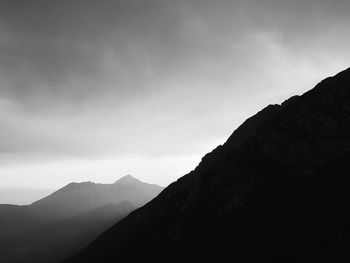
pixel 278 190
pixel 59 225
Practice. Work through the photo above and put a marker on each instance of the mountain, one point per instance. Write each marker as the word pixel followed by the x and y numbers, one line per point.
pixel 62 223
pixel 78 198
pixel 278 190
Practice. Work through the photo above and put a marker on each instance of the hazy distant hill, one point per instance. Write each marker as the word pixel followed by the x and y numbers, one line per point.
pixel 277 191
pixel 62 223
pixel 78 198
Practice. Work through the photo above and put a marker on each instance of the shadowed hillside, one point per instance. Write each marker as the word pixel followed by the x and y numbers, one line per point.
pixel 277 190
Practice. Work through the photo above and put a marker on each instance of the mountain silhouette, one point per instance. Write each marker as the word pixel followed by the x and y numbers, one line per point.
pixel 62 223
pixel 277 190
pixel 77 198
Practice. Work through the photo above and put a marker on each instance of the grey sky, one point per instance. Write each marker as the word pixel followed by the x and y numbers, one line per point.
pixel 91 81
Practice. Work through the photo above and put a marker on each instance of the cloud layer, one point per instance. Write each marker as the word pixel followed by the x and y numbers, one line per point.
pixel 109 79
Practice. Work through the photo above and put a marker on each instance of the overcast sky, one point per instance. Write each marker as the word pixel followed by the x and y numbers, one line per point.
pixel 96 89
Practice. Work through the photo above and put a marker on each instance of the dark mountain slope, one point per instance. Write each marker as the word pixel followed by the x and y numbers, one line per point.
pixel 270 192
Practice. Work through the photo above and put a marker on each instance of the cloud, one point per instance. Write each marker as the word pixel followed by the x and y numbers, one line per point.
pixel 96 79
pixel 56 53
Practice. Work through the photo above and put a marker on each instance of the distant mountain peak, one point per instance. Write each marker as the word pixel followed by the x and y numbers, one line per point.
pixel 85 195
pixel 127 179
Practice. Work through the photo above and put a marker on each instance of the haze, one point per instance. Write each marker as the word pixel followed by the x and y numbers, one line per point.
pixel 94 90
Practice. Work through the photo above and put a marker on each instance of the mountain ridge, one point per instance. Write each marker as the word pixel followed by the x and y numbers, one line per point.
pixel 87 196
pixel 201 215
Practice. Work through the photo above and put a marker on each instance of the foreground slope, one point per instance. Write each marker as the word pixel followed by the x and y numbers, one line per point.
pixel 62 223
pixel 277 190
